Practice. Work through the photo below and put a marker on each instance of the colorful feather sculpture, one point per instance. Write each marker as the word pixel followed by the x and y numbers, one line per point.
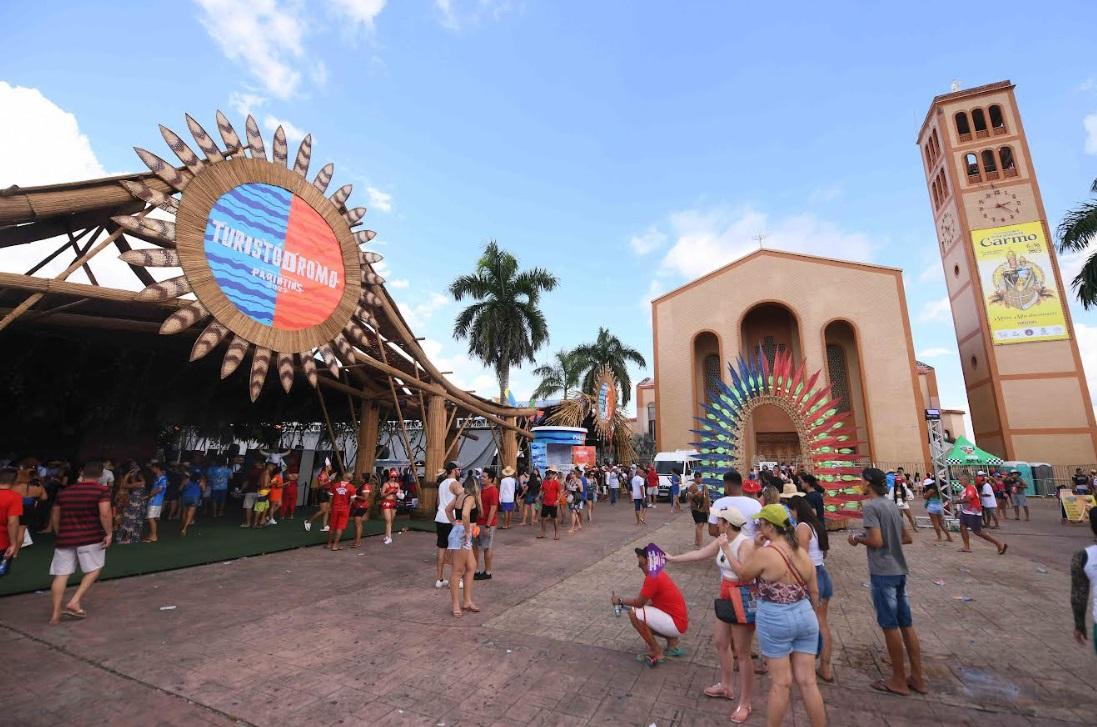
pixel 827 435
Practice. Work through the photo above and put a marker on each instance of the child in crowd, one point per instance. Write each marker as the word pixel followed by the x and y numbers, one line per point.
pixel 341 494
pixel 276 487
pixel 190 496
pixel 289 496
pixel 261 509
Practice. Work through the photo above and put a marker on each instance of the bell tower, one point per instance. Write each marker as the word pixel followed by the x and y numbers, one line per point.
pixel 1023 374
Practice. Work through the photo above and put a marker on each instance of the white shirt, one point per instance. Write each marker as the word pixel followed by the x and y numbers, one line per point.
pixel 988 496
pixel 107 478
pixel 612 481
pixel 746 505
pixel 637 488
pixel 445 497
pixel 1091 572
pixel 726 571
pixel 506 489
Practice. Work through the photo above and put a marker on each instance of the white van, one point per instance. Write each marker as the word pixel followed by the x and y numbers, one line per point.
pixel 666 463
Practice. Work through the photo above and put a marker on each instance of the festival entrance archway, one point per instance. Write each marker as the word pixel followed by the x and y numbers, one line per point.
pixel 827 435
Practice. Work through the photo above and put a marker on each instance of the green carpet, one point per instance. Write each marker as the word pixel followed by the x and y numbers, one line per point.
pixel 208 541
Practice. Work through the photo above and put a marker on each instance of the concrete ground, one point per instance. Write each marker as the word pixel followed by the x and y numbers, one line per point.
pixel 361 637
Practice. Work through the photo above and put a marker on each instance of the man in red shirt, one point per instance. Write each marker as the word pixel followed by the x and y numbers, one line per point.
pixel 659 610
pixel 11 508
pixel 550 496
pixel 971 517
pixel 653 485
pixel 341 494
pixel 82 520
pixel 487 519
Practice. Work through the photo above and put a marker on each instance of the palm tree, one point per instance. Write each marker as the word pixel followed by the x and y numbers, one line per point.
pixel 505 326
pixel 561 375
pixel 1075 232
pixel 607 350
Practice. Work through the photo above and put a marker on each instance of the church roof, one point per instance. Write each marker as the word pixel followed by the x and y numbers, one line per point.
pixel 781 255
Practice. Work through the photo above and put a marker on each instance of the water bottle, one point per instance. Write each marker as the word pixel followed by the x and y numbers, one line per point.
pixel 4 566
pixel 616 606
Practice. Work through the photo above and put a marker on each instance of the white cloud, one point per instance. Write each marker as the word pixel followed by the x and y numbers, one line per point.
pixel 398 284
pixel 246 102
pixel 1086 337
pixel 293 134
pixel 378 200
pixel 457 14
pixel 419 314
pixel 41 143
pixel 708 239
pixel 266 36
pixel 823 195
pixel 935 352
pixel 932 274
pixel 648 241
pixel 1090 125
pixel 935 310
pixel 363 12
pixel 655 289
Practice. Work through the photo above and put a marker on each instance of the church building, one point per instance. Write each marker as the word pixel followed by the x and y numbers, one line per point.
pixel 847 320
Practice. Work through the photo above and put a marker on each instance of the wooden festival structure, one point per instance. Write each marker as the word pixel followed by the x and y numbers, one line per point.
pixel 323 318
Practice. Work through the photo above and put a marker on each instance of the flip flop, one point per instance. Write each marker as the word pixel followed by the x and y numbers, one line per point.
pixel 540 537
pixel 646 659
pixel 457 614
pixel 473 609
pixel 675 651
pixel 1002 550
pixel 820 675
pixel 742 719
pixel 718 691
pixel 75 613
pixel 882 686
pixel 916 689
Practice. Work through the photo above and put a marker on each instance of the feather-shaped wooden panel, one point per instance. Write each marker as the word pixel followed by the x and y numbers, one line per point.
pixel 304 156
pixel 208 340
pixel 308 365
pixel 151 258
pixel 183 318
pixel 255 139
pixel 368 257
pixel 229 135
pixel 323 179
pixel 153 196
pixel 285 370
pixel 161 231
pixel 184 152
pixel 235 354
pixel 329 359
pixel 170 288
pixel 354 215
pixel 364 236
pixel 260 365
pixel 281 148
pixel 341 195
pixel 177 178
pixel 204 141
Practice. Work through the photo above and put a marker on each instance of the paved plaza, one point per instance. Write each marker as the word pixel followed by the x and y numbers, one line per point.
pixel 360 637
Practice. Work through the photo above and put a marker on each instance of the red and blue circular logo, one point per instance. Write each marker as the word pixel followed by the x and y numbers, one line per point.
pixel 274 256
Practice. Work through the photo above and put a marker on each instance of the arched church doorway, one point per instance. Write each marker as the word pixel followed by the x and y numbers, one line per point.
pixel 706 367
pixel 770 329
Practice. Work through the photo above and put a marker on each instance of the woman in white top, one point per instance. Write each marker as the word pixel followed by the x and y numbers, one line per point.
pixel 1083 585
pixel 812 536
pixel 732 640
pixel 901 496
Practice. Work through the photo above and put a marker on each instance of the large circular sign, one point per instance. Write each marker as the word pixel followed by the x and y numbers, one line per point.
pixel 274 256
pixel 268 254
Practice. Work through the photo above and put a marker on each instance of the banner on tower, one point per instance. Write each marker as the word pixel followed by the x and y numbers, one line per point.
pixel 1023 302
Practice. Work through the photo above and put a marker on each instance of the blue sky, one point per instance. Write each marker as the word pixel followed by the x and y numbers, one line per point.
pixel 626 146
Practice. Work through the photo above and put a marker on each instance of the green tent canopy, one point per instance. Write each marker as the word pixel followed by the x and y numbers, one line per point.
pixel 966 454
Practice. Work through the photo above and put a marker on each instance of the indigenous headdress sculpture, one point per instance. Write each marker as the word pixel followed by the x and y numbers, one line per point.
pixel 827 439
pixel 273 261
pixel 605 403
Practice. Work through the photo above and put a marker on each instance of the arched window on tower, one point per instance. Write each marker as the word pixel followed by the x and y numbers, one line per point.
pixel 936 193
pixel 929 155
pixel 942 185
pixel 1009 165
pixel 990 167
pixel 997 122
pixel 651 420
pixel 936 143
pixel 839 375
pixel 979 121
pixel 971 165
pixel 963 131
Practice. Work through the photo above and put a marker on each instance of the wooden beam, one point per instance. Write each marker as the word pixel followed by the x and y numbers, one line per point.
pixel 331 431
pixel 123 245
pixel 33 231
pixel 31 204
pixel 80 290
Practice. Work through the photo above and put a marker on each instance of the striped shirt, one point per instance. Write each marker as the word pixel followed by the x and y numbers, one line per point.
pixel 80 523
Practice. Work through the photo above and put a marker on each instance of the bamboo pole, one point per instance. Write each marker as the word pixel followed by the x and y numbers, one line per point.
pixel 35 297
pixel 331 432
pixel 396 400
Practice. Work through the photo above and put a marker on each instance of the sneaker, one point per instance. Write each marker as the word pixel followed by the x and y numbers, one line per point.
pixel 441 584
pixel 325 529
pixel 308 526
pixel 388 541
pixel 273 522
pixel 461 583
pixel 478 576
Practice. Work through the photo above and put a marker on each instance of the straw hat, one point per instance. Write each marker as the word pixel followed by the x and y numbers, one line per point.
pixel 508 471
pixel 789 491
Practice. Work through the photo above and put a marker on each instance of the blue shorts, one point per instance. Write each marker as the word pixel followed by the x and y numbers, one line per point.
pixel 826 586
pixel 456 539
pixel 1020 499
pixel 190 501
pixel 218 496
pixel 935 508
pixel 506 506
pixel 785 628
pixel 889 596
pixel 674 490
pixel 638 504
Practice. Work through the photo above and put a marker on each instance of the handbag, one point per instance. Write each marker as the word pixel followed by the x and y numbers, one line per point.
pixel 740 608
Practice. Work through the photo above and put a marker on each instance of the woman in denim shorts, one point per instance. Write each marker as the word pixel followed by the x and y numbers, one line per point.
pixel 786 625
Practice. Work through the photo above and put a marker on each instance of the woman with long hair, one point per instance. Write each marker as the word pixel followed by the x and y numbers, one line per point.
pixel 786 625
pixel 133 516
pixel 463 512
pixel 812 537
pixel 359 509
pixel 732 639
pixel 323 498
pixel 935 509
pixel 574 487
pixel 389 491
pixel 901 496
